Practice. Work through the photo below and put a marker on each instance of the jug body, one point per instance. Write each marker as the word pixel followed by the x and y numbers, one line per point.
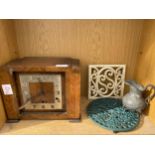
pixel 134 100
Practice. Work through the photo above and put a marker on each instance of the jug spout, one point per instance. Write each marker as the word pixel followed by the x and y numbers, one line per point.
pixel 135 99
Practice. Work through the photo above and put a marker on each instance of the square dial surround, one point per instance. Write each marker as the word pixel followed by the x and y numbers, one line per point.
pixel 41 91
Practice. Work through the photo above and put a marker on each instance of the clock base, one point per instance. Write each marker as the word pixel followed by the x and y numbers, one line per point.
pixel 13 120
pixel 78 120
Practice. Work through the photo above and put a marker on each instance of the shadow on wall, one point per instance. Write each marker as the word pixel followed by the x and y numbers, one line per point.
pixel 145 72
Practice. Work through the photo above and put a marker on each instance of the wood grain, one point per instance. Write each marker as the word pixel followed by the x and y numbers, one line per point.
pixel 91 41
pixel 8 51
pixel 63 127
pixel 8 47
pixel 44 65
pixel 2 113
pixel 9 101
pixel 145 72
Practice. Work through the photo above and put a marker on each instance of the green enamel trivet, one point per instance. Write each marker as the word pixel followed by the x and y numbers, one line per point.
pixel 109 113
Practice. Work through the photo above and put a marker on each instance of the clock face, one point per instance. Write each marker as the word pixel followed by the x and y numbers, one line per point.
pixel 41 91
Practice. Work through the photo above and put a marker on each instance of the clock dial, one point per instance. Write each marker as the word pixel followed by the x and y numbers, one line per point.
pixel 41 91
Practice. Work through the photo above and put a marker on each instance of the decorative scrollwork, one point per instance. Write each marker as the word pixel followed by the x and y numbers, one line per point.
pixel 106 81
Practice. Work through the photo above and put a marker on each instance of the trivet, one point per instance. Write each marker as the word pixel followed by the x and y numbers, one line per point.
pixel 109 113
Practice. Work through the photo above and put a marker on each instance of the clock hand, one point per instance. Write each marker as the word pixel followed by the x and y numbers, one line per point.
pixel 41 87
pixel 27 101
pixel 42 92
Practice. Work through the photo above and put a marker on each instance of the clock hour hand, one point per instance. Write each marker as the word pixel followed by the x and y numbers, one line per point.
pixel 41 87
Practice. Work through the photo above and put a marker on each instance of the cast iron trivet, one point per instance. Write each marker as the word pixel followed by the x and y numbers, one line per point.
pixel 109 113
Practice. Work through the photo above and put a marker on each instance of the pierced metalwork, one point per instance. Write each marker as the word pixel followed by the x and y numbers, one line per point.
pixel 110 114
pixel 106 81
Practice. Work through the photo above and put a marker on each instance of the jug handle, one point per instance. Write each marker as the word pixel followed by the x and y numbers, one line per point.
pixel 150 97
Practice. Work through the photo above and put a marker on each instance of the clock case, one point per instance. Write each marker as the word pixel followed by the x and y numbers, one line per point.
pixel 68 67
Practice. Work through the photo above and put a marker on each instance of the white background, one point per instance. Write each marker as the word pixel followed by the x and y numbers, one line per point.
pixel 81 145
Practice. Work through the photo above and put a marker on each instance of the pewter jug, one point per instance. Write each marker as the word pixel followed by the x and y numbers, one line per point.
pixel 138 97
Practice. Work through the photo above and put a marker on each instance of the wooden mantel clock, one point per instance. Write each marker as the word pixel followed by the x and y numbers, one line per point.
pixel 41 88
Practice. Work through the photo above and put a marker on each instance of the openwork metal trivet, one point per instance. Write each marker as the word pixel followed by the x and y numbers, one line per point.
pixel 109 113
pixel 106 81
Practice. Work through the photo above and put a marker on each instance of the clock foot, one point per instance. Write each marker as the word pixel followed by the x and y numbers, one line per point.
pixel 77 120
pixel 13 120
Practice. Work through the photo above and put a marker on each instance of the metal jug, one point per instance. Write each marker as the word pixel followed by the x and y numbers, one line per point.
pixel 138 97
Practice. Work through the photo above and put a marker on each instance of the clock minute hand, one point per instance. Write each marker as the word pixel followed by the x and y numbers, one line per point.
pixel 42 92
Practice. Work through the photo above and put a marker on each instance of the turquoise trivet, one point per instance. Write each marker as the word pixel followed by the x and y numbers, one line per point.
pixel 109 113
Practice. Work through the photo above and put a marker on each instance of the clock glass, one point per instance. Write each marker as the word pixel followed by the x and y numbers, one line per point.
pixel 41 91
